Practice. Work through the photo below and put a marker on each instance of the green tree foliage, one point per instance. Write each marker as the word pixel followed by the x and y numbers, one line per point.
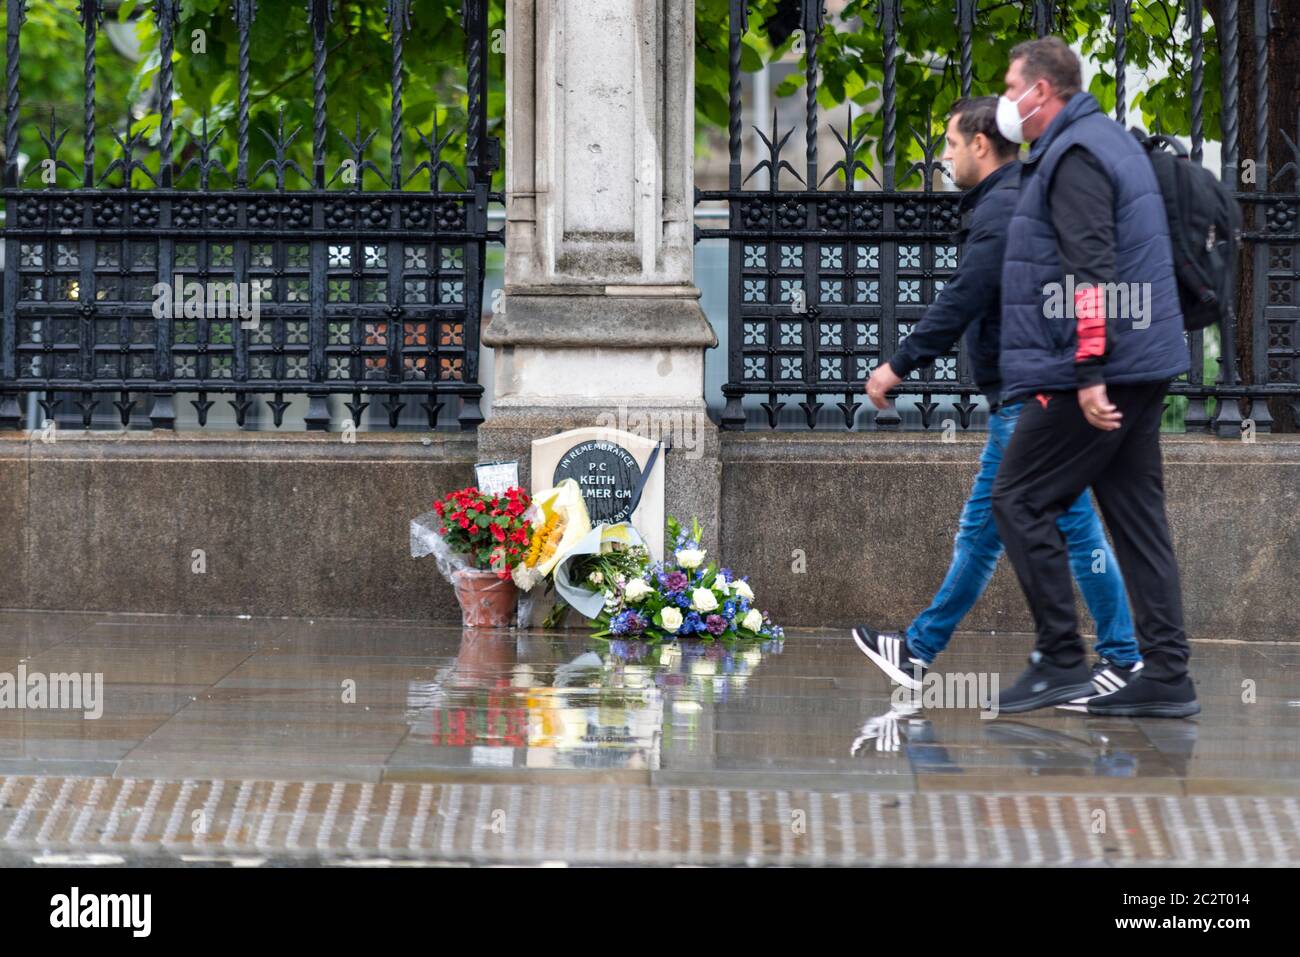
pixel 205 64
pixel 850 57
pixel 851 60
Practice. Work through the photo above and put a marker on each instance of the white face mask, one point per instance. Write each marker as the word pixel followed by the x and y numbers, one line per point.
pixel 1010 123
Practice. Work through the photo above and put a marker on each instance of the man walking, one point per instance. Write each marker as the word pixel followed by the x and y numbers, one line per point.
pixel 984 163
pixel 1089 233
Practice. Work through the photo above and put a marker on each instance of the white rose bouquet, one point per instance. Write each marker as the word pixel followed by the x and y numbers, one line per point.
pixel 682 597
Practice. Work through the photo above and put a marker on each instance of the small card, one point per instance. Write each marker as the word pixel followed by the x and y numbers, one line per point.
pixel 495 477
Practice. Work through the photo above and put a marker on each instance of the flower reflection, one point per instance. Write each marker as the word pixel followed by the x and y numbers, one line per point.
pixel 561 709
pixel 710 670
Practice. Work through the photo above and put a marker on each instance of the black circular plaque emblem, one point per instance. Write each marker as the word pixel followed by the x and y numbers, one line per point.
pixel 608 476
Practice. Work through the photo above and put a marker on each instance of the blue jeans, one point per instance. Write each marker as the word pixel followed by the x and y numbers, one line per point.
pixel 978 546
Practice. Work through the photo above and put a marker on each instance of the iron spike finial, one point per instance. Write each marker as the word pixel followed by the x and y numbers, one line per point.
pixel 814 16
pixel 399 13
pixel 1121 14
pixel 966 12
pixel 87 9
pixel 888 16
pixel 320 13
pixel 1044 14
pixel 245 11
pixel 167 10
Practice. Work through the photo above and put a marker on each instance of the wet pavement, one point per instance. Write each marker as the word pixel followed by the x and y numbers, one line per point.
pixel 380 742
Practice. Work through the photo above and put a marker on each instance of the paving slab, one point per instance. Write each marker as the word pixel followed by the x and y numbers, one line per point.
pixel 335 741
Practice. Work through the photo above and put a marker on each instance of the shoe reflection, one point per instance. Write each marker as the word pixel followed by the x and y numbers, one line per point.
pixel 1166 749
pixel 883 732
pixel 900 730
pixel 1154 749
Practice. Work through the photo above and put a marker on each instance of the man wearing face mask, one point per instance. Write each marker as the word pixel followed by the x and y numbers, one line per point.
pixel 1092 334
pixel 984 163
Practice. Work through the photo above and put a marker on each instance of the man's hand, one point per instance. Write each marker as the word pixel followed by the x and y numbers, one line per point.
pixel 882 380
pixel 1097 409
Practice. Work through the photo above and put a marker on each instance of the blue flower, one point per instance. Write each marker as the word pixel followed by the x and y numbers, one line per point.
pixel 729 609
pixel 693 624
pixel 627 623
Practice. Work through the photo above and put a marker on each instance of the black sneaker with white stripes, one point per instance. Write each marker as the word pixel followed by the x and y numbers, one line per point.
pixel 1106 678
pixel 889 651
pixel 1044 684
pixel 1145 697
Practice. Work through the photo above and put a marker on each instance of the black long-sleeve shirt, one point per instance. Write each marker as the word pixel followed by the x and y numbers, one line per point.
pixel 1082 202
pixel 971 300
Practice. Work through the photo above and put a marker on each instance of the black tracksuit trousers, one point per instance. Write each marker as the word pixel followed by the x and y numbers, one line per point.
pixel 1053 455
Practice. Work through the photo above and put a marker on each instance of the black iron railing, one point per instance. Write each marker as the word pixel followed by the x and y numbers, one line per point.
pixel 824 280
pixel 201 284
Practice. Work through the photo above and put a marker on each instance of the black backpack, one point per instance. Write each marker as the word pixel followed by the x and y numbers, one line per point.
pixel 1204 230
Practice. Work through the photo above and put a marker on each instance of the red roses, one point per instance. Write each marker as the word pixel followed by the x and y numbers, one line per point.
pixel 489 530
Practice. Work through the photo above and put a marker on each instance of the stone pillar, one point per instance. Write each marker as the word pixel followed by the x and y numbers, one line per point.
pixel 600 321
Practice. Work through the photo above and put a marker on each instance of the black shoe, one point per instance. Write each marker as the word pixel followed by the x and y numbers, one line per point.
pixel 891 655
pixel 1148 698
pixel 1107 677
pixel 1042 685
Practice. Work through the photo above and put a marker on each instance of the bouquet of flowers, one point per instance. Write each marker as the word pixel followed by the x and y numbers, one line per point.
pixel 490 531
pixel 678 598
pixel 560 520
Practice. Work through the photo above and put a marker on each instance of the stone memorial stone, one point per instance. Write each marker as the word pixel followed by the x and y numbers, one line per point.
pixel 609 466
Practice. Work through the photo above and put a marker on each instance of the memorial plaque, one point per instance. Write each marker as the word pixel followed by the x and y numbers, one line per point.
pixel 608 464
pixel 608 475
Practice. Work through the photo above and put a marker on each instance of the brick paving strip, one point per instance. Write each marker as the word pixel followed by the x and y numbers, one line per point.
pixel 52 819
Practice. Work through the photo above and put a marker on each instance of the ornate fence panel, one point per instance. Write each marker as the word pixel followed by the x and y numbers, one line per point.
pixel 825 278
pixel 202 284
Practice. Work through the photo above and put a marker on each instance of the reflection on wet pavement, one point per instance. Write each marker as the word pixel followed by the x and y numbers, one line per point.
pixel 273 705
pixel 601 709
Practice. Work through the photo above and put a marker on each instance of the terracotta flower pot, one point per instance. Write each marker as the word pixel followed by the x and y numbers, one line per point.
pixel 486 601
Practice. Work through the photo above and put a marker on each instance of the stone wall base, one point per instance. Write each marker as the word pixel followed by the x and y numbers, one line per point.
pixel 257 524
pixel 832 528
pixel 840 528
